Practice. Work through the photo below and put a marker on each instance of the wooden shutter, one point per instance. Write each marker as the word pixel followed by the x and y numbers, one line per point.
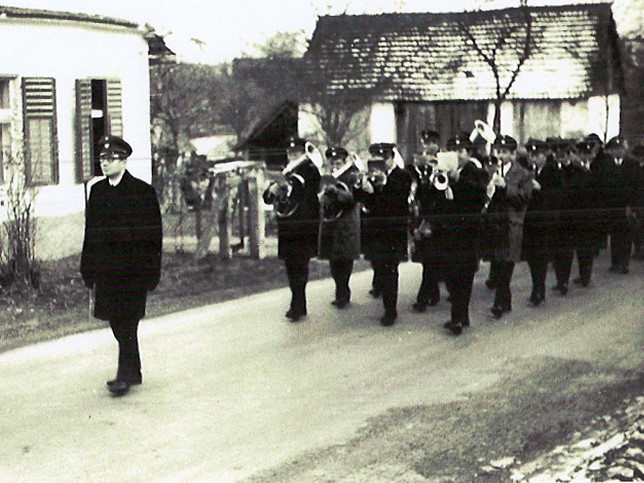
pixel 39 107
pixel 114 107
pixel 84 149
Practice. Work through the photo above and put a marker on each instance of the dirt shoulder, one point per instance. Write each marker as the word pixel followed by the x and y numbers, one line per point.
pixel 61 305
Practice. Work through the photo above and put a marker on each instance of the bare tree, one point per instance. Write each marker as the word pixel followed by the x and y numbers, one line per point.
pixel 504 43
pixel 181 107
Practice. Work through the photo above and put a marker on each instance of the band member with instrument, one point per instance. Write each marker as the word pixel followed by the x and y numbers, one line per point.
pixel 295 200
pixel 339 239
pixel 429 200
pixel 508 208
pixel 385 191
pixel 538 224
pixel 462 232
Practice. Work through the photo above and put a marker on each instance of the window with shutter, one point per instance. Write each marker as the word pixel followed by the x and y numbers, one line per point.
pixel 98 113
pixel 41 147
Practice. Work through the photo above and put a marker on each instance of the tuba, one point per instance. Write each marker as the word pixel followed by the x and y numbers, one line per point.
pixel 333 187
pixel 284 202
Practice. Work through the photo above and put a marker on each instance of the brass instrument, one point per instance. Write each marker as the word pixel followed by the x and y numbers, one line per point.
pixel 333 187
pixel 376 175
pixel 282 188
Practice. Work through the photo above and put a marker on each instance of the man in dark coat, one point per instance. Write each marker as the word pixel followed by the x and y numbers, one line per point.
pixel 462 232
pixel 564 228
pixel 585 211
pixel 385 194
pixel 615 177
pixel 296 204
pixel 121 257
pixel 508 207
pixel 429 205
pixel 339 240
pixel 538 225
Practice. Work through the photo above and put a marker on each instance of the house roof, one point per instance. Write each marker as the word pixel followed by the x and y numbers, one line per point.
pixel 428 56
pixel 17 12
pixel 263 119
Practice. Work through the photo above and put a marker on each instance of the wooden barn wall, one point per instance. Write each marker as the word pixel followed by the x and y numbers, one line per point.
pixel 447 118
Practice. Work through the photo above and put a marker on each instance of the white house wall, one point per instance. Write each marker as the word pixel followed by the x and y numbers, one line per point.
pixel 382 123
pixel 67 51
pixel 598 122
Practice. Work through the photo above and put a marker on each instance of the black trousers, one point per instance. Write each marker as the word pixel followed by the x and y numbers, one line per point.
pixel 297 272
pixel 341 273
pixel 493 276
pixel 537 258
pixel 503 295
pixel 429 289
pixel 459 279
pixel 585 249
pixel 386 275
pixel 129 365
pixel 563 254
pixel 621 241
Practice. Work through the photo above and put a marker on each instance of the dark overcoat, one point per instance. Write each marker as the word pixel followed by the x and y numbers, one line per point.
pixel 542 214
pixel 615 186
pixel 385 218
pixel 340 238
pixel 297 234
pixel 509 205
pixel 462 229
pixel 121 255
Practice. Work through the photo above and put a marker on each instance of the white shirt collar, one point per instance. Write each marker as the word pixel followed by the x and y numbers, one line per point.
pixel 116 181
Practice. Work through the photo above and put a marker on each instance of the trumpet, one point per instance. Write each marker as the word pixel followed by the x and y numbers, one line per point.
pixel 439 180
pixel 376 175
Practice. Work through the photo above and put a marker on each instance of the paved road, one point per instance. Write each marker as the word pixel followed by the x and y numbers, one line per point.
pixel 233 388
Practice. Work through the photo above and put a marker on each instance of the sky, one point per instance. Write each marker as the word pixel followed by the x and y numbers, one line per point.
pixel 225 29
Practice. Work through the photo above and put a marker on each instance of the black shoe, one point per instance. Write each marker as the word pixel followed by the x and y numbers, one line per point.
pixel 454 327
pixel 497 311
pixel 623 270
pixel 536 299
pixel 613 269
pixel 491 284
pixel 375 293
pixel 419 307
pixel 562 288
pixel 434 302
pixel 578 281
pixel 131 382
pixel 295 315
pixel 119 388
pixel 388 319
pixel 340 304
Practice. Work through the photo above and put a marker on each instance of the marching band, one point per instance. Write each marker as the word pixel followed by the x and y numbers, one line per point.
pixel 545 203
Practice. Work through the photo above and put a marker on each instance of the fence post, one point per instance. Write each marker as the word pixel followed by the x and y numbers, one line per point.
pixel 256 214
pixel 225 224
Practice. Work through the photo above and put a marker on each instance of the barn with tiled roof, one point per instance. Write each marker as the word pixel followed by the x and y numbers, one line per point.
pixel 434 70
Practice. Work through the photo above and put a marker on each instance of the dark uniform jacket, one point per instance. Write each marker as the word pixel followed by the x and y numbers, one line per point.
pixel 340 235
pixel 431 218
pixel 297 233
pixel 121 254
pixel 509 206
pixel 385 218
pixel 542 213
pixel 463 223
pixel 616 186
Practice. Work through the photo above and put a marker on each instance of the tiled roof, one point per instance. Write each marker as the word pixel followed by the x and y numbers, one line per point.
pixel 427 57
